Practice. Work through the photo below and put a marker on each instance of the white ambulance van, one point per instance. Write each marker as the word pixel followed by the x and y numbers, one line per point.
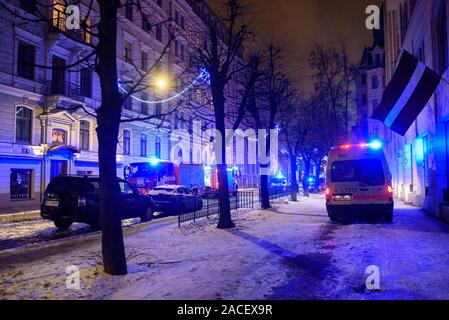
pixel 358 182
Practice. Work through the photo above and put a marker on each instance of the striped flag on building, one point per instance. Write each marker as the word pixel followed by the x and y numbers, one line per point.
pixel 408 92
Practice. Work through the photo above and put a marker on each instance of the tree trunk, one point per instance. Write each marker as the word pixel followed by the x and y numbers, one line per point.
pixel 225 219
pixel 264 179
pixel 264 192
pixel 317 174
pixel 114 259
pixel 293 181
pixel 108 121
pixel 305 180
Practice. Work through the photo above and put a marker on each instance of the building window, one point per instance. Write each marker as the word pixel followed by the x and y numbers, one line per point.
pixel 144 61
pixel 146 25
pixel 84 135
pixel 375 104
pixel 59 137
pixel 129 10
pixel 374 82
pixel 144 105
pixel 23 125
pixel 143 145
pixel 442 42
pixel 158 148
pixel 26 60
pixel 59 17
pixel 158 109
pixel 29 6
pixel 377 60
pixel 20 184
pixel 128 52
pixel 126 142
pixel 58 76
pixel 86 83
pixel 159 32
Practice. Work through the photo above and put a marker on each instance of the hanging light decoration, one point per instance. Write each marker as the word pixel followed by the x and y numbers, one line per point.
pixel 202 79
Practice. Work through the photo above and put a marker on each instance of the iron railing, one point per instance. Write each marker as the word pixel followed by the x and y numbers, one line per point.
pixel 240 200
pixel 67 89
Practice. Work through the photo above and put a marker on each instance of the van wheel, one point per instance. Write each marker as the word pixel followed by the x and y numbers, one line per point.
pixel 148 216
pixel 62 224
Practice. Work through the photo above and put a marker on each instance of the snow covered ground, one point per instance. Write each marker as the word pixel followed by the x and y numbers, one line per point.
pixel 289 252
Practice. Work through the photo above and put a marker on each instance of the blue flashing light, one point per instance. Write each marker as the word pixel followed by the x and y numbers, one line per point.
pixel 280 175
pixel 311 179
pixel 376 144
pixel 154 162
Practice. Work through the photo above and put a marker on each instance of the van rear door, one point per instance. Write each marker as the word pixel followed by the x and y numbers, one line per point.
pixel 363 179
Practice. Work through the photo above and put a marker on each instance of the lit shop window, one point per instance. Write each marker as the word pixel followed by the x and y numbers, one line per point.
pixel 20 184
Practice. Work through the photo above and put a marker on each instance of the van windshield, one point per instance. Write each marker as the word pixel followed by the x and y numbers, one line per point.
pixel 368 171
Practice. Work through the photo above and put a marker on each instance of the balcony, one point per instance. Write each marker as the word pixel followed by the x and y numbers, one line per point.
pixel 65 89
pixel 71 37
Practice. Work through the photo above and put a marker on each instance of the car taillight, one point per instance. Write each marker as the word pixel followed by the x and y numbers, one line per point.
pixel 390 189
pixel 328 192
pixel 81 202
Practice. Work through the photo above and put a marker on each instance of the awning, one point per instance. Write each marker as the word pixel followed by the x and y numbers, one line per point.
pixel 63 147
pixel 408 92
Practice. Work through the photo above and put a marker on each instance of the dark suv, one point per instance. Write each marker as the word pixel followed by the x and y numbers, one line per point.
pixel 70 199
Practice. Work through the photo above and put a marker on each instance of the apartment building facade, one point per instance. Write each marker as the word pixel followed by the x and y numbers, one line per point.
pixel 420 160
pixel 370 84
pixel 47 125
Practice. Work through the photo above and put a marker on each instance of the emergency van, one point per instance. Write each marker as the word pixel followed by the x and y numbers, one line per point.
pixel 358 182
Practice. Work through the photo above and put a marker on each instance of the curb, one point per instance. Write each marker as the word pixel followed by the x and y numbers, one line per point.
pixel 20 216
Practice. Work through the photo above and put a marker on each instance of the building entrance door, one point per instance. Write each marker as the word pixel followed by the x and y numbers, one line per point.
pixel 58 167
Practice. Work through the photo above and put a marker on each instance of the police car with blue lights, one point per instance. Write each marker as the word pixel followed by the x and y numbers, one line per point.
pixel 359 182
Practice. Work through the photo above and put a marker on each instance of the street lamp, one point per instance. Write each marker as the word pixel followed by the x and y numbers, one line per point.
pixel 161 83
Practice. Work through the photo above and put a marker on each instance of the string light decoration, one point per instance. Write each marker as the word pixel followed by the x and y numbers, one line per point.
pixel 203 78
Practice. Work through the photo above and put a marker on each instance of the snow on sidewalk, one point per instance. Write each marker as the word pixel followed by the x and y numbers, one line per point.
pixel 166 262
pixel 289 252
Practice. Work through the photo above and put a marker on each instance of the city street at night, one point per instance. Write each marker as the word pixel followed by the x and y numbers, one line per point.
pixel 289 252
pixel 224 158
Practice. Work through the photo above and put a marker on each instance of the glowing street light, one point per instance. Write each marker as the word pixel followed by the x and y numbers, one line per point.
pixel 161 83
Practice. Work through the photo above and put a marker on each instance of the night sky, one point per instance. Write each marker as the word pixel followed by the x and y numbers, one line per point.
pixel 296 25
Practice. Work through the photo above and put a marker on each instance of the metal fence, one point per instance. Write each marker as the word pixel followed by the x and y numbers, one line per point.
pixel 240 200
pixel 276 193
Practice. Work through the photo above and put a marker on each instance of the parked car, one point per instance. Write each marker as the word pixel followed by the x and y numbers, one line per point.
pixel 70 199
pixel 175 199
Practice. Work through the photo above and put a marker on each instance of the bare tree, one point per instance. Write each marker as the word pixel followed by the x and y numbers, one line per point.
pixel 333 83
pixel 295 130
pixel 100 54
pixel 271 93
pixel 220 53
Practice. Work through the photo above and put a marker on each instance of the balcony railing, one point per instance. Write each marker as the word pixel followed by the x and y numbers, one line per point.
pixel 66 89
pixel 59 25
